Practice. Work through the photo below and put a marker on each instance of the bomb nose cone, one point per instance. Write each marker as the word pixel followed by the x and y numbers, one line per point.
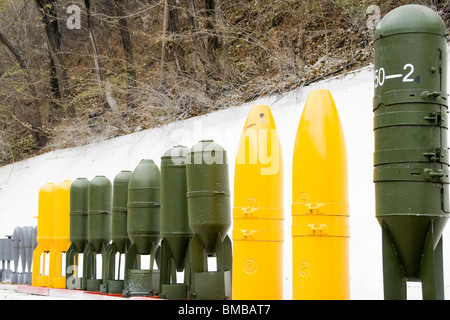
pixel 261 117
pixel 398 21
pixel 259 147
pixel 320 151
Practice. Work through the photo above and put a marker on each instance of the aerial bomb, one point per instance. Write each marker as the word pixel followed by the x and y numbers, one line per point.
pixel 143 228
pixel 320 211
pixel 16 246
pixel 411 150
pixel 78 215
pixel 120 241
pixel 99 212
pixel 258 213
pixel 21 276
pixel 175 230
pixel 28 233
pixel 6 257
pixel 46 213
pixel 209 219
pixel 99 230
pixel 119 235
pixel 61 234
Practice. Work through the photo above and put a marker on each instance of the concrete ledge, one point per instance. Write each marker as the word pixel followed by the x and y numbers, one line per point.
pixel 39 291
pixel 8 286
pixel 73 294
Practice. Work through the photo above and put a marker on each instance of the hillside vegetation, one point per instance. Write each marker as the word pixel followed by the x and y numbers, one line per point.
pixel 77 71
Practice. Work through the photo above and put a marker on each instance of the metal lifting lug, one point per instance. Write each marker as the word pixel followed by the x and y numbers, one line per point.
pixel 248 234
pixel 434 117
pixel 430 95
pixel 434 174
pixel 433 155
pixel 314 208
pixel 318 229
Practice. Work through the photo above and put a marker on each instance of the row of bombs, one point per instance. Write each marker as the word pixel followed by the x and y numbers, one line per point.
pixel 179 216
pixel 18 247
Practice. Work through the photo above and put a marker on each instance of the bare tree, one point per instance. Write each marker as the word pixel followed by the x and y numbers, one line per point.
pixel 48 11
pixel 34 113
pixel 105 91
pixel 171 29
pixel 128 51
pixel 215 23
